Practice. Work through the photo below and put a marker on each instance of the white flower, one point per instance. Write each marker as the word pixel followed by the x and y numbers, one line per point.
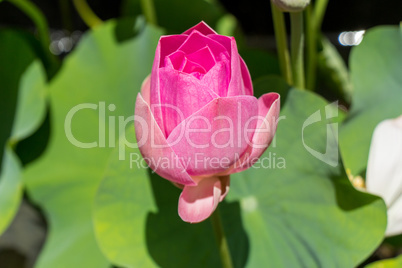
pixel 384 170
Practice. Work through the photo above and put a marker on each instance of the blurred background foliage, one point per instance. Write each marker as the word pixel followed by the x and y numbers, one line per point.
pixel 61 206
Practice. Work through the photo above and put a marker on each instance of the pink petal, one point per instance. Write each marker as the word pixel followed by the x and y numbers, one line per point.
pixel 181 95
pixel 197 203
pixel 245 74
pixel 197 75
pixel 193 67
pixel 146 89
pixel 213 138
pixel 240 83
pixel 268 111
pixel 166 46
pixel 155 99
pixel 196 41
pixel 200 61
pixel 176 59
pixel 225 41
pixel 217 79
pixel 154 147
pixel 202 27
pixel 203 57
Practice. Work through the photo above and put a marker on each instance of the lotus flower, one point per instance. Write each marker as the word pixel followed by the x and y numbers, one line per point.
pixel 197 119
pixel 384 170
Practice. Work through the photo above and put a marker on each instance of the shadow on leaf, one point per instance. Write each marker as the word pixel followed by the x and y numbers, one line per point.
pixel 347 197
pixel 174 243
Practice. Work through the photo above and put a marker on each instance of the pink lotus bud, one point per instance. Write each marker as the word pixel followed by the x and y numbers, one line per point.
pixel 197 120
pixel 291 5
pixel 384 170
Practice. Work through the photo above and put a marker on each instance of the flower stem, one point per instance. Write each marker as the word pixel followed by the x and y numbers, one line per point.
pixel 281 43
pixel 86 13
pixel 311 44
pixel 297 41
pixel 313 25
pixel 65 11
pixel 221 240
pixel 148 9
pixel 34 13
pixel 319 11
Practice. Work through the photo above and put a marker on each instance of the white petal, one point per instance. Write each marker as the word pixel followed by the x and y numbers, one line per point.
pixel 394 226
pixel 384 170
